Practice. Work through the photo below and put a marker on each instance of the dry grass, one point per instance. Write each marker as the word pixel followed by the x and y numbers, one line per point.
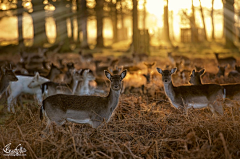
pixel 137 130
pixel 140 128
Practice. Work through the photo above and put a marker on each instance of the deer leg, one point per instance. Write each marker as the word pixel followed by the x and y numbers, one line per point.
pixel 95 124
pixel 39 98
pixel 218 107
pixel 212 109
pixel 12 96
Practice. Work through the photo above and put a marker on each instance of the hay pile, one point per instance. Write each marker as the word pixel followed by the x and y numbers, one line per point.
pixel 139 129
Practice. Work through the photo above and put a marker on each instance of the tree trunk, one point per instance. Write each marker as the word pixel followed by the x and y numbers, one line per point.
pixel 38 17
pixel 71 20
pixel 20 30
pixel 114 20
pixel 194 32
pixel 135 26
pixel 212 20
pixel 204 25
pixel 83 21
pixel 228 13
pixel 166 25
pixel 99 16
pixel 78 41
pixel 122 21
pixel 60 15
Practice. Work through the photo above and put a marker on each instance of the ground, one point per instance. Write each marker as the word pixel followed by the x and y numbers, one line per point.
pixel 142 126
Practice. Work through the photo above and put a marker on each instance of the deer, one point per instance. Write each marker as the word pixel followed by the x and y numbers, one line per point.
pixel 50 88
pixel 68 74
pixel 211 76
pixel 195 77
pixel 85 57
pixel 83 86
pixel 53 73
pixel 178 59
pixel 196 96
pixel 7 77
pixel 25 84
pixel 148 75
pixel 99 69
pixel 232 91
pixel 92 110
pixel 231 61
pixel 33 57
pixel 234 73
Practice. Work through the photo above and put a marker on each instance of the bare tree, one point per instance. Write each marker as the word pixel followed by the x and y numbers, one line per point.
pixel 20 30
pixel 203 21
pixel 135 25
pixel 83 23
pixel 194 32
pixel 38 17
pixel 166 24
pixel 228 13
pixel 114 18
pixel 60 16
pixel 122 19
pixel 99 15
pixel 212 20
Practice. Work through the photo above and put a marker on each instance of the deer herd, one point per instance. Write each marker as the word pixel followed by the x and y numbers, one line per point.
pixel 67 92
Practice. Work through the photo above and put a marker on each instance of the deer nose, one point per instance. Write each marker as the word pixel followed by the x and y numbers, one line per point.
pixel 165 80
pixel 115 87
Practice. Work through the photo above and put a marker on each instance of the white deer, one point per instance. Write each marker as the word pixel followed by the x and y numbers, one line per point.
pixel 28 85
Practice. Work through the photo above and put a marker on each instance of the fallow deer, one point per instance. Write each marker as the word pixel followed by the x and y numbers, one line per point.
pixel 50 88
pixel 83 109
pixel 7 77
pixel 231 61
pixel 83 87
pixel 232 90
pixel 196 96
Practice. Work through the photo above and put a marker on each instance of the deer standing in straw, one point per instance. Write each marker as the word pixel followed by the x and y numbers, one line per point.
pixel 7 76
pixel 83 109
pixel 232 90
pixel 50 88
pixel 231 61
pixel 196 96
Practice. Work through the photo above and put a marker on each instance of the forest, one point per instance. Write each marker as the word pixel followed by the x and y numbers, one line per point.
pixel 120 79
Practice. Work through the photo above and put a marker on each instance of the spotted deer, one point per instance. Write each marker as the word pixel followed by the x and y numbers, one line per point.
pixel 83 109
pixel 83 87
pixel 50 88
pixel 7 77
pixel 232 90
pixel 231 61
pixel 196 96
pixel 178 59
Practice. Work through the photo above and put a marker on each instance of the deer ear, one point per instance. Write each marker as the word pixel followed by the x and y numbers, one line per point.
pixel 193 72
pixel 37 75
pixel 107 74
pixel 123 74
pixel 202 71
pixel 160 70
pixel 3 70
pixel 79 71
pixel 173 70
